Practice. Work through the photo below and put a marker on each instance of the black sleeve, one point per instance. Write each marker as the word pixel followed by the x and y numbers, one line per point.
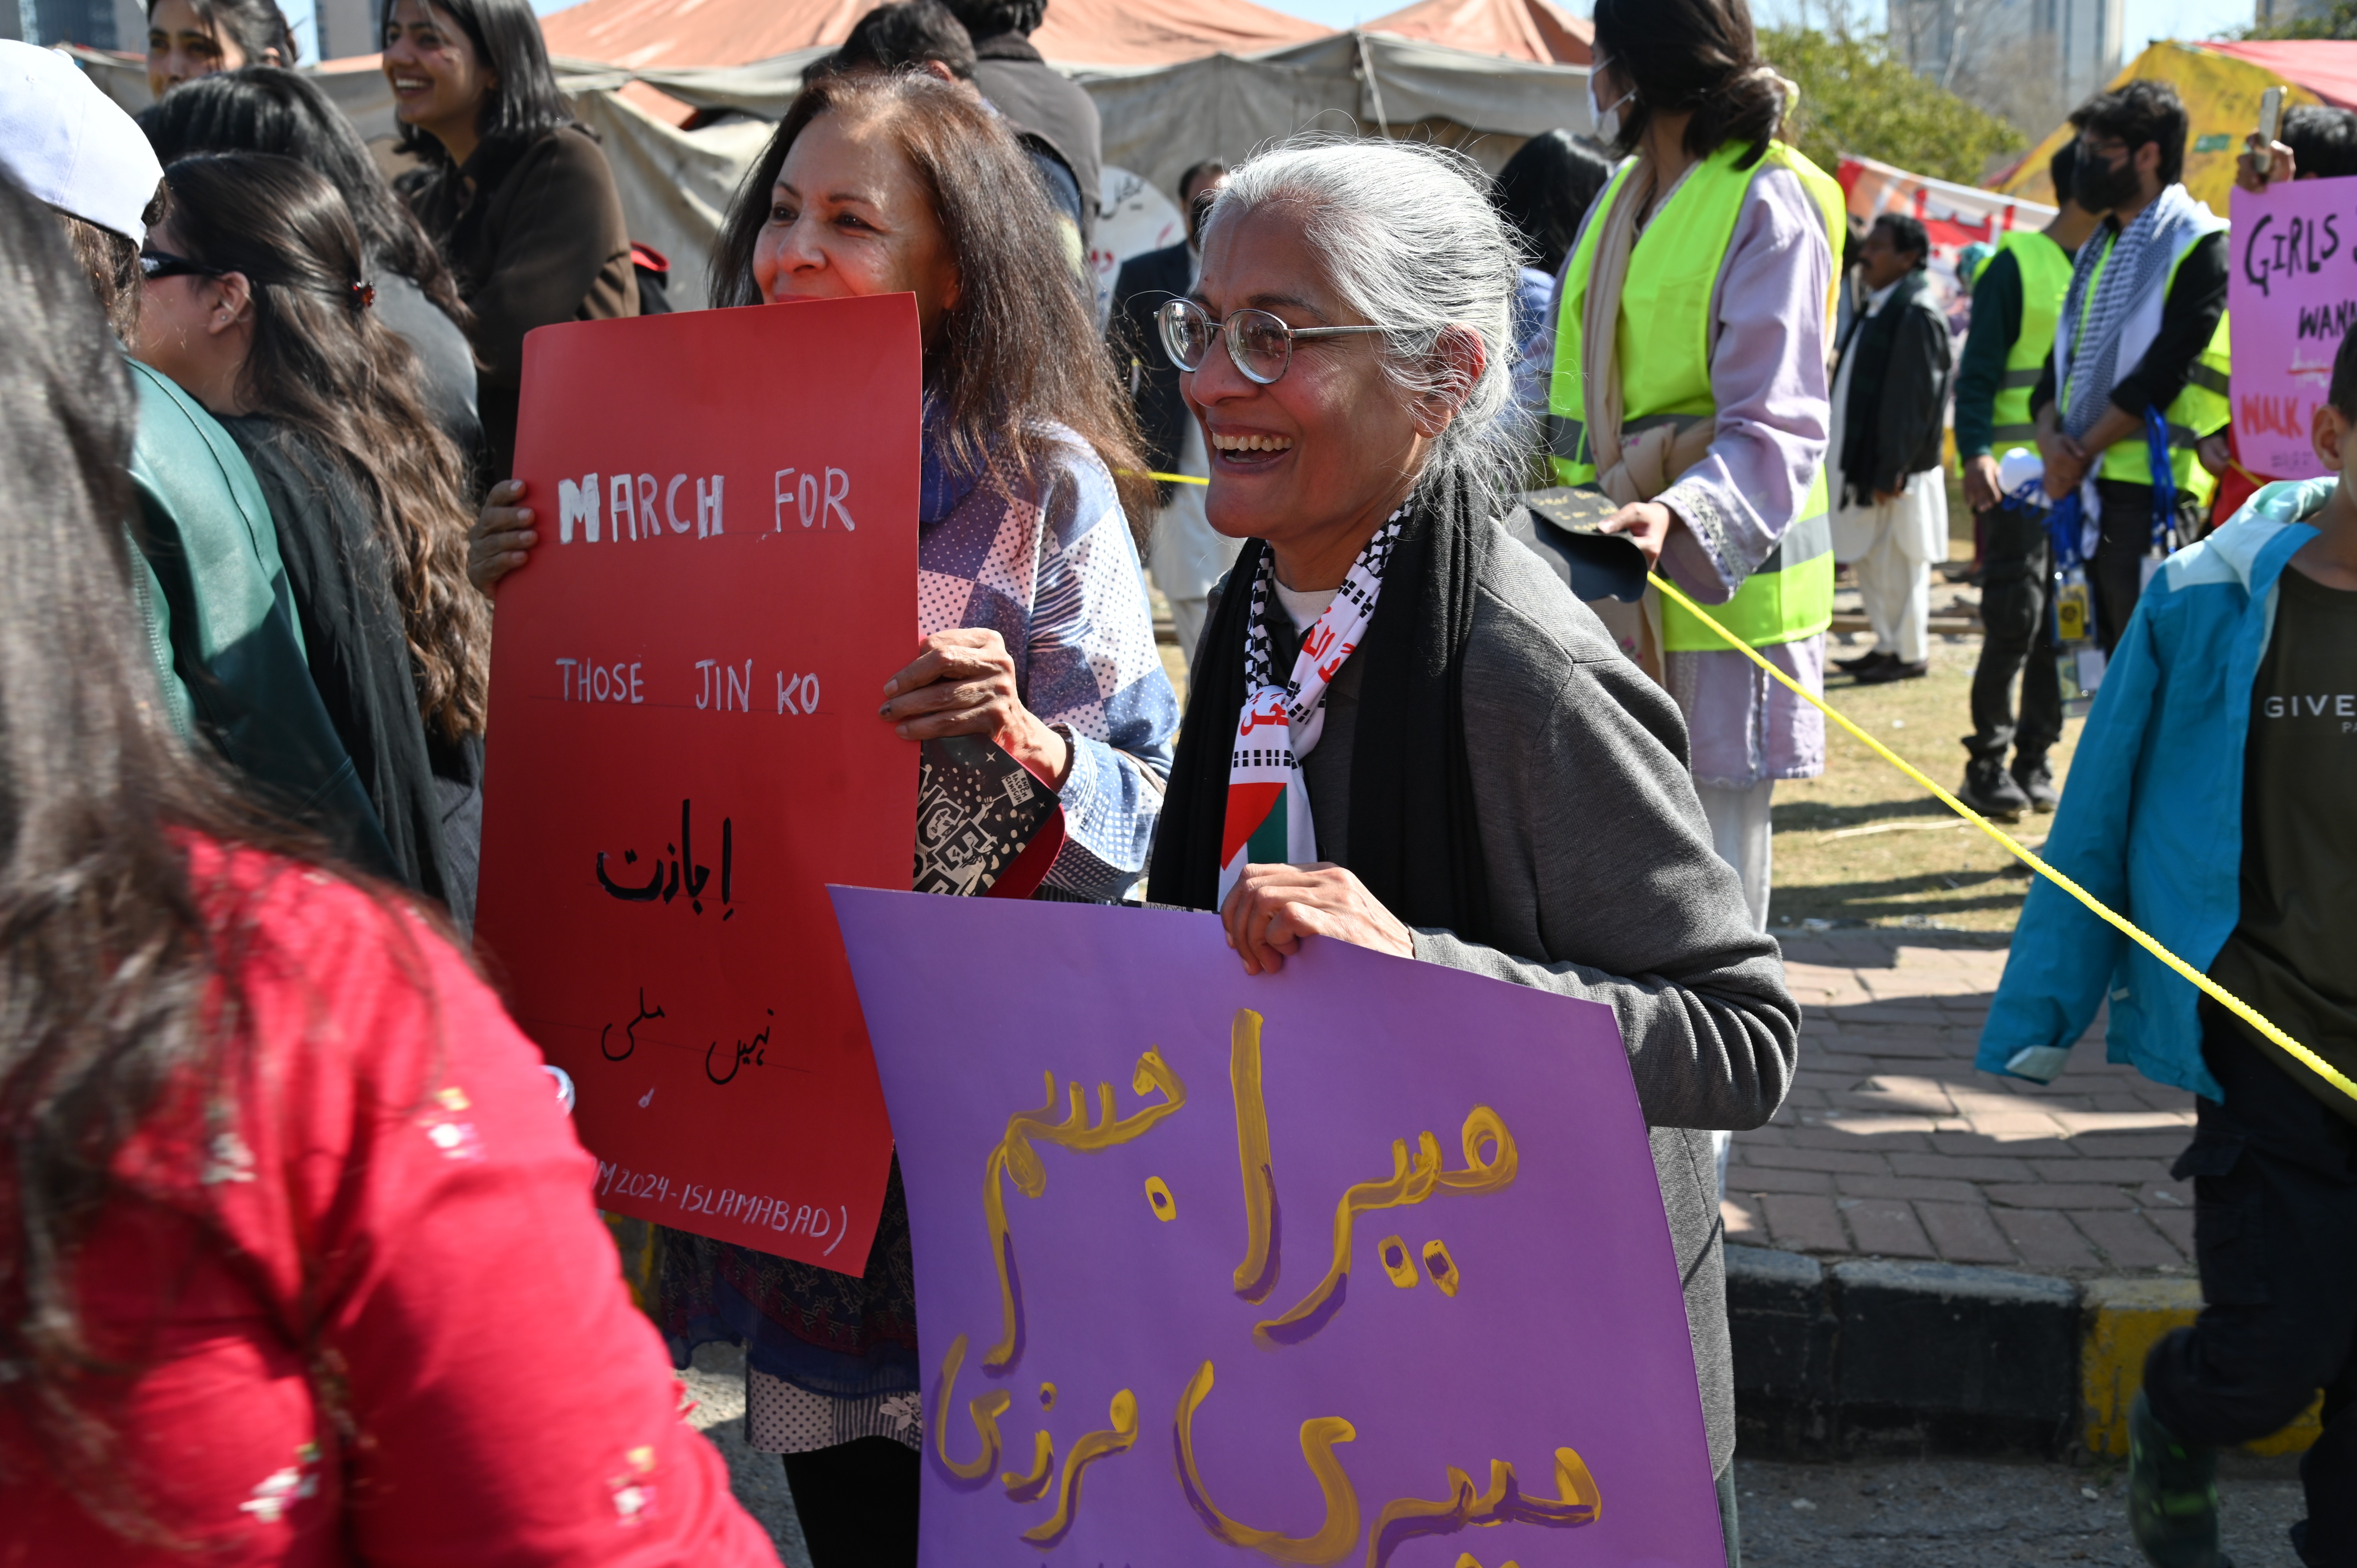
pixel 1996 321
pixel 1914 391
pixel 2188 318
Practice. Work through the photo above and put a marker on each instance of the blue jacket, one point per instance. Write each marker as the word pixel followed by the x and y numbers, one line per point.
pixel 2151 820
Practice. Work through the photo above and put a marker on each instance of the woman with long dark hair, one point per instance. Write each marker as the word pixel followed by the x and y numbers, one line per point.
pixel 263 109
pixel 877 184
pixel 190 39
pixel 260 307
pixel 1543 193
pixel 1476 779
pixel 514 191
pixel 1689 384
pixel 267 1147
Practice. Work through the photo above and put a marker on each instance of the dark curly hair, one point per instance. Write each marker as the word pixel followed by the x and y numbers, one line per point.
pixel 1696 57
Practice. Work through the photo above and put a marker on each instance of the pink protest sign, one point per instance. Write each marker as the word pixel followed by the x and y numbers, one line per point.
pixel 2293 294
pixel 1362 1261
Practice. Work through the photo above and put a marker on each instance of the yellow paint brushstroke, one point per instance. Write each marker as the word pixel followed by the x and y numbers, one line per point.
pixel 1094 1446
pixel 1319 1436
pixel 1440 1266
pixel 1014 1156
pixel 1410 1183
pixel 1397 1262
pixel 1159 1199
pixel 1256 1275
pixel 1577 1502
pixel 1022 1488
pixel 985 1410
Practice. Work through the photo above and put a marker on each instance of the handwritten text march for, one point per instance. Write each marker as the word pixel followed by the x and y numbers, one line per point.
pixel 676 769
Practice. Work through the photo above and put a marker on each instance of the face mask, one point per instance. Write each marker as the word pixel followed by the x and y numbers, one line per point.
pixel 2098 187
pixel 1605 120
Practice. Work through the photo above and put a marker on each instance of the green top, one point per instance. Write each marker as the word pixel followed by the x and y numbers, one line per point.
pixel 2288 956
pixel 222 621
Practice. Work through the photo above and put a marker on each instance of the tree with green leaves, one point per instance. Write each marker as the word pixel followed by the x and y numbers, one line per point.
pixel 2337 22
pixel 1857 97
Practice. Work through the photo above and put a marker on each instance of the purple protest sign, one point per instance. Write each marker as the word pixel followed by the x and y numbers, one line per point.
pixel 1362 1261
pixel 2293 296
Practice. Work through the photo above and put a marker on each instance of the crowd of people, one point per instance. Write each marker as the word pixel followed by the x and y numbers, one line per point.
pixel 275 1149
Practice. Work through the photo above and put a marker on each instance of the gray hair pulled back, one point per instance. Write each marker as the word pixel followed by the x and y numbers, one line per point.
pixel 1411 240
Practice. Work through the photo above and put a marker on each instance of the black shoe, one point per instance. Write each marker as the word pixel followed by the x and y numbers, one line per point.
pixel 2172 1495
pixel 1990 790
pixel 1894 668
pixel 2036 782
pixel 1862 663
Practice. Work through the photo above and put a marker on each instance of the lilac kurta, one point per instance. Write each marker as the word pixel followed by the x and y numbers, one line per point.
pixel 1768 378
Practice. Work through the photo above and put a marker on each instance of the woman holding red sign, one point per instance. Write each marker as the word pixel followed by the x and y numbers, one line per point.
pixel 1035 632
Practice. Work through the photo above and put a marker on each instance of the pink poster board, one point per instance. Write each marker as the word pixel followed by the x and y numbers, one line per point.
pixel 2293 293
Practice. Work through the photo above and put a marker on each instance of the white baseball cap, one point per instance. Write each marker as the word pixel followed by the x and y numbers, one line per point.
pixel 70 145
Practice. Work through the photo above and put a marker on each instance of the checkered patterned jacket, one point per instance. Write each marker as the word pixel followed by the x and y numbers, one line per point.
pixel 1050 566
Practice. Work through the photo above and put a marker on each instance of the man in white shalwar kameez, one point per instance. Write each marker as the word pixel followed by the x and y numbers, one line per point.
pixel 1891 498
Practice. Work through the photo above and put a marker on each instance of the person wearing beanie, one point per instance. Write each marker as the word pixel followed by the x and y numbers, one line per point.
pixel 228 653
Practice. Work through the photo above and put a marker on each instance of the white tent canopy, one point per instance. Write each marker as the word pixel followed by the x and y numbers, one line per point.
pixel 676 184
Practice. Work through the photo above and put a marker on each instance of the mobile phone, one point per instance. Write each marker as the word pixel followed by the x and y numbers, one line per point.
pixel 2270 113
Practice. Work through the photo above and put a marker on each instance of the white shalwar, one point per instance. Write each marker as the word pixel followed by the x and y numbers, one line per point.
pixel 1890 544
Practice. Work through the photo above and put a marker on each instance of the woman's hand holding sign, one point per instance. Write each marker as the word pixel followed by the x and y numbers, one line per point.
pixel 963 684
pixel 1273 905
pixel 502 537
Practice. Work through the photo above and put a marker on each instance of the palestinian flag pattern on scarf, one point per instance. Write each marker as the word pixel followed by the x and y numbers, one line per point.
pixel 1268 804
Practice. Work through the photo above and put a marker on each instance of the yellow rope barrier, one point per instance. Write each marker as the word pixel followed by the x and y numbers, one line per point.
pixel 2209 987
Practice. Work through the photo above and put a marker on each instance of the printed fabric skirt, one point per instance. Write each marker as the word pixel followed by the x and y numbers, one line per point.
pixel 828 1357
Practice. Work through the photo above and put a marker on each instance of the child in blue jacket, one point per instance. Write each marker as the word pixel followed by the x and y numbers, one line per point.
pixel 2212 800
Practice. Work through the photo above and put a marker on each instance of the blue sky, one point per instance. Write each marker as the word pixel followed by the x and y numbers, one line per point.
pixel 2146 19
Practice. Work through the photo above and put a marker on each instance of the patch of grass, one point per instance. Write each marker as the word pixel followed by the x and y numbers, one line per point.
pixel 1919 870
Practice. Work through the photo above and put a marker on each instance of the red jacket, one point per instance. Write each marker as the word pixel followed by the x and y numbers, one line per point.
pixel 378 1318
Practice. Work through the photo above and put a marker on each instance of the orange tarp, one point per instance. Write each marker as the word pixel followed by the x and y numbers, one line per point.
pixel 1535 30
pixel 638 33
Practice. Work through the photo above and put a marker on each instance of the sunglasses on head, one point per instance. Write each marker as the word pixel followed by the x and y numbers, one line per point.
pixel 154 265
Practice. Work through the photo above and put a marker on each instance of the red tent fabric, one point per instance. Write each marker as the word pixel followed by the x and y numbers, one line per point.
pixel 647 33
pixel 2326 67
pixel 1537 30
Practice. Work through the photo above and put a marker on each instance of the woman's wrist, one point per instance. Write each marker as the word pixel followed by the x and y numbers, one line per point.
pixel 1041 748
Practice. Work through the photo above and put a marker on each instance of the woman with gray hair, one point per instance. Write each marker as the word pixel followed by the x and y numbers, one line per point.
pixel 1403 731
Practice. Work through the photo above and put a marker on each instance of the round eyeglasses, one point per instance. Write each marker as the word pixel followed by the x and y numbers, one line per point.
pixel 1260 344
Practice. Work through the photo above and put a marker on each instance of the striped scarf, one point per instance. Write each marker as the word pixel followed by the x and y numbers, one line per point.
pixel 2134 266
pixel 1269 815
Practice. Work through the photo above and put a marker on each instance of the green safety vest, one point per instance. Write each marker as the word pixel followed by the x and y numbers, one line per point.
pixel 2045 279
pixel 1665 380
pixel 2199 410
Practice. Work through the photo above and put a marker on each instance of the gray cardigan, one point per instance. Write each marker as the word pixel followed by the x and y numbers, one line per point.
pixel 1604 885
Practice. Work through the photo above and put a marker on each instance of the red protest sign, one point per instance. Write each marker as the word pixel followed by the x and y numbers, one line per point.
pixel 684 751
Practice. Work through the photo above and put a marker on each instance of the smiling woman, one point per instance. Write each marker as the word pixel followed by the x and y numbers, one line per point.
pixel 189 38
pixel 1403 731
pixel 1033 632
pixel 515 192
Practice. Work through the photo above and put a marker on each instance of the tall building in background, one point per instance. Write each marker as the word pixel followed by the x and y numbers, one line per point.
pixel 2028 60
pixel 346 27
pixel 98 24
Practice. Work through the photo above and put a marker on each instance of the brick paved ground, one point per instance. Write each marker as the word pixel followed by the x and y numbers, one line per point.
pixel 1892 1145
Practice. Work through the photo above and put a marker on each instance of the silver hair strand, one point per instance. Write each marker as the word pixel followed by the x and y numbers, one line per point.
pixel 1411 241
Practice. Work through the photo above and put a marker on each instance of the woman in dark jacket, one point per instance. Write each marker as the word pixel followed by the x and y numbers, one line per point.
pixel 258 305
pixel 1477 778
pixel 514 191
pixel 263 109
